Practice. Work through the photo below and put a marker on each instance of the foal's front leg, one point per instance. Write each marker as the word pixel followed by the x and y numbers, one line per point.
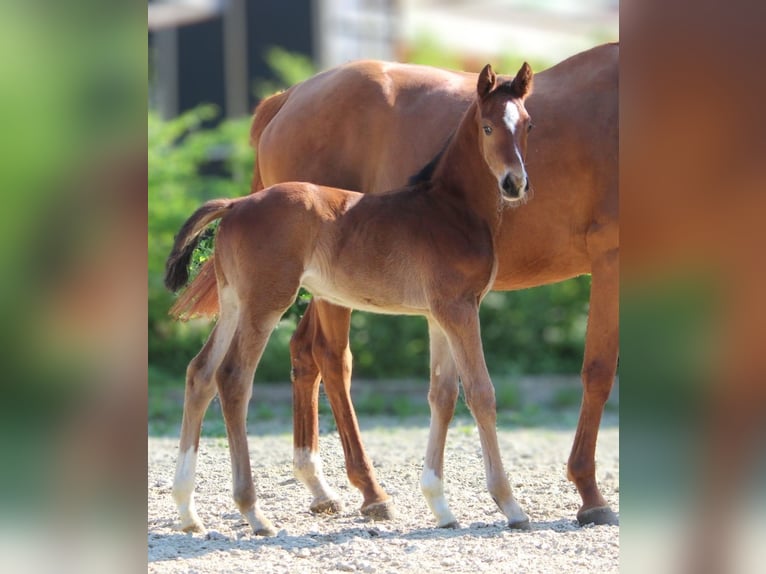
pixel 442 398
pixel 460 323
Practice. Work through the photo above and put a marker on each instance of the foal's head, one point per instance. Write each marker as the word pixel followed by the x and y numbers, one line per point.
pixel 503 124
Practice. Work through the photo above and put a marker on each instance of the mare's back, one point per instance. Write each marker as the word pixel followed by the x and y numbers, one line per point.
pixel 365 126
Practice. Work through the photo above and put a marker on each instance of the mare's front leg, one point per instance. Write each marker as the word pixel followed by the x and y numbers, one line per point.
pixel 442 398
pixel 460 323
pixel 332 354
pixel 599 367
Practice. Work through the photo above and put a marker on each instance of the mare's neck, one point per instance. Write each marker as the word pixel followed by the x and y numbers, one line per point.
pixel 463 174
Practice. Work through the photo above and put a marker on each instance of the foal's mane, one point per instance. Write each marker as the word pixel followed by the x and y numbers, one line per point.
pixel 427 171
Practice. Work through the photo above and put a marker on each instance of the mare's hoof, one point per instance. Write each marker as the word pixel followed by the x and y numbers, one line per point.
pixel 380 510
pixel 520 525
pixel 326 506
pixel 598 515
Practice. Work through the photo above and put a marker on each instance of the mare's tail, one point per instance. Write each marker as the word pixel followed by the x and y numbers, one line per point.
pixel 176 267
pixel 200 298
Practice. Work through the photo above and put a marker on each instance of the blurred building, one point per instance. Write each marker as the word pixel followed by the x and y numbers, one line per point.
pixel 212 51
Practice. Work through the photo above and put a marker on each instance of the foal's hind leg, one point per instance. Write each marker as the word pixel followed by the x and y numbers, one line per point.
pixel 460 323
pixel 200 390
pixel 599 366
pixel 235 385
pixel 442 398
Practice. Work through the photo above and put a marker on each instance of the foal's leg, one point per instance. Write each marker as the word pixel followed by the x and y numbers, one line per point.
pixel 307 464
pixel 442 398
pixel 332 354
pixel 235 385
pixel 599 366
pixel 460 323
pixel 199 392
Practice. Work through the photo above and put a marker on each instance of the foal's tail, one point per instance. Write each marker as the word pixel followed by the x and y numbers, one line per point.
pixel 201 297
pixel 176 267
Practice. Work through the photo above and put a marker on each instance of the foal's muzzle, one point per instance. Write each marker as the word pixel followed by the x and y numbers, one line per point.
pixel 514 187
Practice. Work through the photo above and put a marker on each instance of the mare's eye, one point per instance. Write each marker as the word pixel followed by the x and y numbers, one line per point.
pixel 530 125
pixel 487 130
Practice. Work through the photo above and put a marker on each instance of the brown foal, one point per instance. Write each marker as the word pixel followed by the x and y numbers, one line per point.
pixel 427 249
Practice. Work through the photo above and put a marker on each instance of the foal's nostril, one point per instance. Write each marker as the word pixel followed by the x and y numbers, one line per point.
pixel 508 185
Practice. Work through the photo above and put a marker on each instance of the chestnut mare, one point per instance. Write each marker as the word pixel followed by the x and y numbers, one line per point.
pixel 318 131
pixel 427 249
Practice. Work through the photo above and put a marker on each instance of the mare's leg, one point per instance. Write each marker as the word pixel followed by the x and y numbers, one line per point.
pixel 333 356
pixel 442 398
pixel 257 319
pixel 200 390
pixel 307 464
pixel 460 323
pixel 599 367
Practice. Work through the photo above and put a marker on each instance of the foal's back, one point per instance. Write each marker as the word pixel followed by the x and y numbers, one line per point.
pixel 382 253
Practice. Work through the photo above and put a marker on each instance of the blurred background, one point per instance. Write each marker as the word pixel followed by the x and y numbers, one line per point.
pixel 211 61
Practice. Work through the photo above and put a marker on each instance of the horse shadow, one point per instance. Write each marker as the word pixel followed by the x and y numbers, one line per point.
pixel 186 545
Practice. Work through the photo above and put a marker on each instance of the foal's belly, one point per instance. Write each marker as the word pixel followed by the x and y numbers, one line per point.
pixel 365 293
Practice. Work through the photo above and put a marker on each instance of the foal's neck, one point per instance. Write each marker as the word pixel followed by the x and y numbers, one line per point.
pixel 463 174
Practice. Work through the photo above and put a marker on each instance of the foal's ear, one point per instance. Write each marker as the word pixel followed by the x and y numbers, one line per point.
pixel 522 83
pixel 487 81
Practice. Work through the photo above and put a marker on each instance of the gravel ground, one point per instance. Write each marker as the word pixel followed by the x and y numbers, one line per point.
pixel 534 457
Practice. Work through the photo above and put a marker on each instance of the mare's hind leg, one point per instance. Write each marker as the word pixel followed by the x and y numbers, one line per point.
pixel 442 398
pixel 307 465
pixel 333 356
pixel 200 390
pixel 460 323
pixel 599 367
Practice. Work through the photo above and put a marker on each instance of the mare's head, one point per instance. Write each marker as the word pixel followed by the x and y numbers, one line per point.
pixel 503 124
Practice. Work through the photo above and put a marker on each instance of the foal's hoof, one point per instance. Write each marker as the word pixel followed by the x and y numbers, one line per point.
pixel 266 530
pixel 599 515
pixel 193 526
pixel 380 510
pixel 520 525
pixel 452 525
pixel 326 506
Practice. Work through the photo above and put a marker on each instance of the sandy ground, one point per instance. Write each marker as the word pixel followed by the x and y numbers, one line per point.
pixel 534 458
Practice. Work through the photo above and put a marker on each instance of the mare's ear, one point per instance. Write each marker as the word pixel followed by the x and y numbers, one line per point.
pixel 522 83
pixel 487 81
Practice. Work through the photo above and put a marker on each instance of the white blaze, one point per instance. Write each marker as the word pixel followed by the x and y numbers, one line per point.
pixel 511 118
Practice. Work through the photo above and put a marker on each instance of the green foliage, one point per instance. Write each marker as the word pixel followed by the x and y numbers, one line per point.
pixel 290 69
pixel 187 165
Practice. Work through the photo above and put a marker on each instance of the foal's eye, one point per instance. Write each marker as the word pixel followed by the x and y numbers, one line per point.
pixel 530 125
pixel 487 130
